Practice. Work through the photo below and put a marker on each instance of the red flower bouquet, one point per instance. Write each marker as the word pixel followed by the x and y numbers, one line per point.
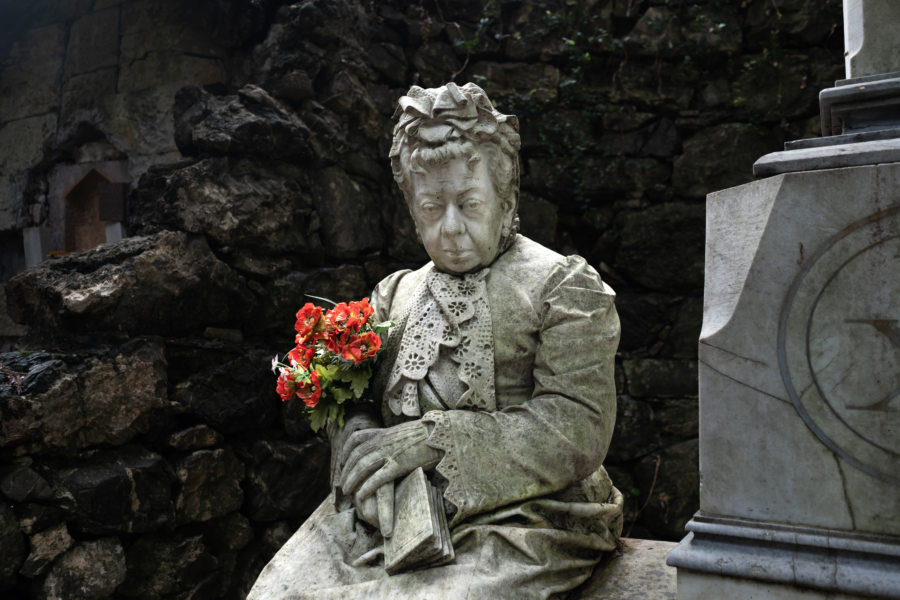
pixel 332 361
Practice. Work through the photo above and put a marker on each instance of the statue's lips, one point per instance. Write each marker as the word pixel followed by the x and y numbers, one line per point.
pixel 457 253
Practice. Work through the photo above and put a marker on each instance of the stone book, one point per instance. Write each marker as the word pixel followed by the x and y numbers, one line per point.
pixel 421 536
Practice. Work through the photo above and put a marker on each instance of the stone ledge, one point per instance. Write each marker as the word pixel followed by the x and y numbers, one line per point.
pixel 803 559
pixel 829 157
pixel 639 573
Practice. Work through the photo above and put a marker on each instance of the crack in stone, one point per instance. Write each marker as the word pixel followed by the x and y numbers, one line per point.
pixel 743 383
pixel 748 359
pixel 837 460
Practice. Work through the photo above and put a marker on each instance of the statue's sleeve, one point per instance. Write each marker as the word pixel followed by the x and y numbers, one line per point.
pixel 562 433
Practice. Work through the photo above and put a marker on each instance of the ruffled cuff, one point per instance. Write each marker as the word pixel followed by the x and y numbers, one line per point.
pixel 441 438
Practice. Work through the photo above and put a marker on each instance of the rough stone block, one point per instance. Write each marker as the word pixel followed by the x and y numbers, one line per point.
pixel 93 42
pixel 669 483
pixel 657 33
pixel 349 215
pixel 45 547
pixel 89 570
pixel 662 246
pixel 102 401
pixel 22 93
pixel 643 84
pixel 169 69
pixel 210 485
pixel 716 28
pixel 195 438
pixel 231 395
pixel 141 123
pixel 21 484
pixel 87 97
pixel 10 201
pixel 127 491
pixel 153 284
pixel 12 547
pixel 169 567
pixel 538 219
pixel 635 433
pixel 656 378
pixel 719 157
pixel 151 26
pixel 286 480
pixel 231 532
pixel 540 81
pixel 22 142
pixel 244 211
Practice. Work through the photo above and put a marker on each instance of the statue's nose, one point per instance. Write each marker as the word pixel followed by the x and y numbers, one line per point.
pixel 453 223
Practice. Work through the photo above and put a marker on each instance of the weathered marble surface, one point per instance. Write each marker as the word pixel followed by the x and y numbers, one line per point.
pixel 772 246
pixel 870 37
pixel 799 381
pixel 638 573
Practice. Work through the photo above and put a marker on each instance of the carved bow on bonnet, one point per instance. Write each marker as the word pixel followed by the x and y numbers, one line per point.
pixel 437 115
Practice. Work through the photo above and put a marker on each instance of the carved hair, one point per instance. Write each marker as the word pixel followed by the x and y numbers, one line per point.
pixel 437 125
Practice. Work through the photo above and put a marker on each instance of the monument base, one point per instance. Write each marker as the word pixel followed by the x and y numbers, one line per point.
pixel 736 558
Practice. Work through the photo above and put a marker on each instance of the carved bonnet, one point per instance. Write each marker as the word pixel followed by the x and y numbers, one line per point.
pixel 461 119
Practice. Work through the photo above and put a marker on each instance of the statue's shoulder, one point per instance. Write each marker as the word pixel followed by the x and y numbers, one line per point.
pixel 536 267
pixel 397 286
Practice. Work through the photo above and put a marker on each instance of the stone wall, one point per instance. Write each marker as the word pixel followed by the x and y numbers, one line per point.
pixel 138 422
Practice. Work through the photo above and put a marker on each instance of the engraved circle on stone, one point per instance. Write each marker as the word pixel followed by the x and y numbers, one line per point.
pixel 848 406
pixel 828 379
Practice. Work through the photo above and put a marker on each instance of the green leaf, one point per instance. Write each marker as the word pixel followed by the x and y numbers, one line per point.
pixel 318 417
pixel 336 414
pixel 359 381
pixel 340 394
pixel 327 374
pixel 383 326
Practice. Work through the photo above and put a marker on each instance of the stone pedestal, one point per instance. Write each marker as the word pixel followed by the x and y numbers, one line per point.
pixel 800 388
pixel 800 354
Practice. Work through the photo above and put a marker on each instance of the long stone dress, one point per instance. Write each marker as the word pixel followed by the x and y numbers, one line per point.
pixel 513 365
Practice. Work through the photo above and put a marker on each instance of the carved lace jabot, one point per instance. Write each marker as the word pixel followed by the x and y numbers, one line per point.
pixel 450 312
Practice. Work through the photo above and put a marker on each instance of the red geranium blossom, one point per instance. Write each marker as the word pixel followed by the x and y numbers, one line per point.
pixel 359 313
pixel 310 391
pixel 334 341
pixel 309 321
pixel 286 386
pixel 359 348
pixel 301 355
pixel 336 318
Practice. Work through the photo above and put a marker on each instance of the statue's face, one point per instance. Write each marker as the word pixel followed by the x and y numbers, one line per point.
pixel 458 215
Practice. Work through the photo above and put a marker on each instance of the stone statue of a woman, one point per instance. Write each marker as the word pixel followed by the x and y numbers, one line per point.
pixel 497 380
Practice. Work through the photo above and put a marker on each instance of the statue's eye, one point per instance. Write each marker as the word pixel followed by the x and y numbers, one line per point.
pixel 471 204
pixel 430 208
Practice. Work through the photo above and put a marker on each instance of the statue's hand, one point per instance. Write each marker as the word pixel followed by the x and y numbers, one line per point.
pixel 377 457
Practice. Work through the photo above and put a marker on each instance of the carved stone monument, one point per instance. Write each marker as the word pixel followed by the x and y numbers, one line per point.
pixel 800 354
pixel 494 399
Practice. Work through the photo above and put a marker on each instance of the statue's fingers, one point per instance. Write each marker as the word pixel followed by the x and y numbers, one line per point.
pixel 368 511
pixel 386 474
pixel 360 472
pixel 384 499
pixel 366 451
pixel 354 441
